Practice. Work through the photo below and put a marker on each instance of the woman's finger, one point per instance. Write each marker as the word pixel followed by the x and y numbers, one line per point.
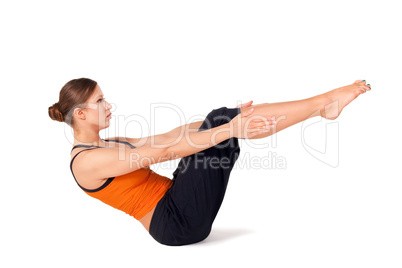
pixel 265 121
pixel 260 127
pixel 247 104
pixel 257 132
pixel 263 124
pixel 247 113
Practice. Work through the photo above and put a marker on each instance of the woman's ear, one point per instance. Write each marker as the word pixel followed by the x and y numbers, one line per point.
pixel 79 114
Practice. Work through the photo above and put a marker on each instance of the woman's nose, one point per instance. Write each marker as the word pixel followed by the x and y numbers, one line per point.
pixel 108 106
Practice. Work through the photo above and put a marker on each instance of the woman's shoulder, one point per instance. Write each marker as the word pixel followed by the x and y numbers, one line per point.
pixel 132 142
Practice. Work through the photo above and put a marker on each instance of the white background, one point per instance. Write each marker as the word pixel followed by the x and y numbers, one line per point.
pixel 198 56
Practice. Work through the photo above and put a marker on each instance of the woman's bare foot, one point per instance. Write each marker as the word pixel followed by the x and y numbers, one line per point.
pixel 335 100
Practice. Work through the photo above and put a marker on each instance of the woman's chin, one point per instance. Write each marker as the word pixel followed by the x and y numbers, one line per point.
pixel 104 126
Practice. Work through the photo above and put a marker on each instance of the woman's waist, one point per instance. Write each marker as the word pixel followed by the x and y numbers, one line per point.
pixel 146 220
pixel 150 197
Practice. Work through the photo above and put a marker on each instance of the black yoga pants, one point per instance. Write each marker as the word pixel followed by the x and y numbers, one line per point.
pixel 186 212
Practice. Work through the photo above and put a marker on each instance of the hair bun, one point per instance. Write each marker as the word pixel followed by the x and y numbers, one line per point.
pixel 55 114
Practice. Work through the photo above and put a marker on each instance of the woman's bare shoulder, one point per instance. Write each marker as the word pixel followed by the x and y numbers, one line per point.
pixel 132 141
pixel 138 142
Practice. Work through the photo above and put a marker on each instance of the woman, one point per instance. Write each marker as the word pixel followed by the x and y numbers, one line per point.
pixel 178 211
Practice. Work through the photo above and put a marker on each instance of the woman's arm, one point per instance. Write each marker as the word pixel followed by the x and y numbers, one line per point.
pixel 164 138
pixel 112 162
pixel 170 136
pixel 191 142
pixel 176 133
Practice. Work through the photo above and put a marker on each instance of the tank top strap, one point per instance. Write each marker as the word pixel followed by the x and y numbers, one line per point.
pixel 125 142
pixel 89 147
pixel 85 146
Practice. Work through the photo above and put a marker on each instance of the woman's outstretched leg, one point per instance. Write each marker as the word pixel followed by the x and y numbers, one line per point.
pixel 328 105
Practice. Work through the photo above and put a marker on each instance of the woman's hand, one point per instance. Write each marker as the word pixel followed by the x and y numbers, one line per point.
pixel 245 126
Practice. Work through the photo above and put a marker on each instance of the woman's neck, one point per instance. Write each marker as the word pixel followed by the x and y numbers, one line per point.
pixel 92 138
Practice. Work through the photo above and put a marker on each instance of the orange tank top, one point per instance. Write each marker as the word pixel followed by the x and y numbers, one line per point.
pixel 135 193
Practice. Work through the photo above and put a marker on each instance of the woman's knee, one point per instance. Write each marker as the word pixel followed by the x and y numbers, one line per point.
pixel 215 118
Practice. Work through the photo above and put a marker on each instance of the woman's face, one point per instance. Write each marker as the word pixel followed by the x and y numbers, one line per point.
pixel 97 111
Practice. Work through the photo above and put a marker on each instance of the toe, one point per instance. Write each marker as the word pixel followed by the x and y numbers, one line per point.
pixel 360 82
pixel 364 88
